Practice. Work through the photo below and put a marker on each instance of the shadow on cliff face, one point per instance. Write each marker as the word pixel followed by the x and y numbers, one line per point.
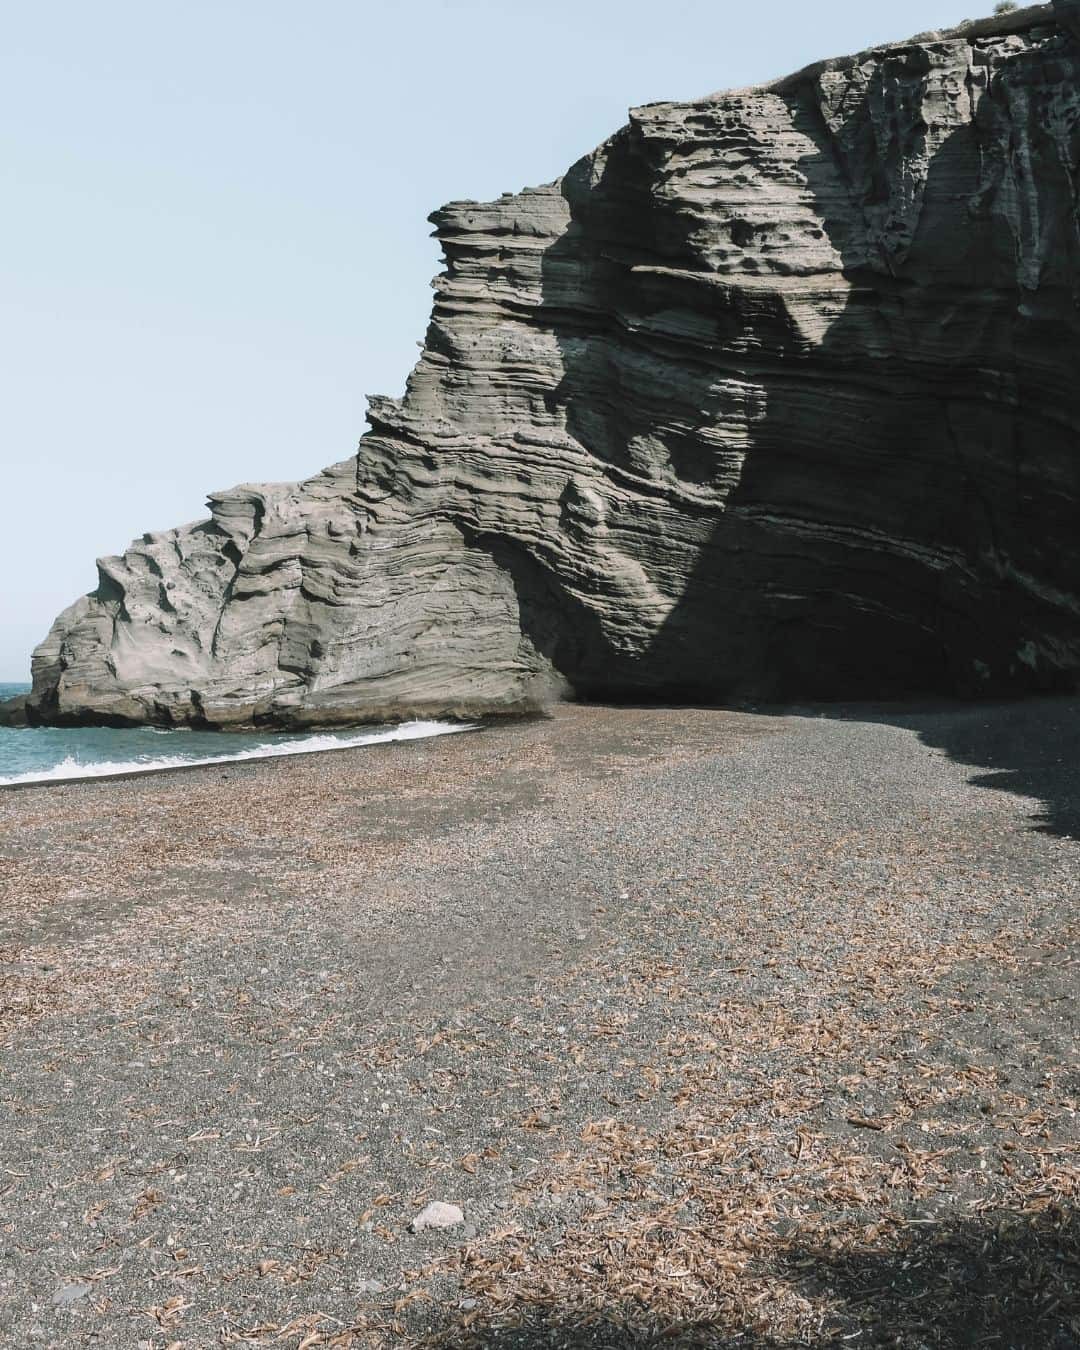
pixel 883 508
pixel 1009 1281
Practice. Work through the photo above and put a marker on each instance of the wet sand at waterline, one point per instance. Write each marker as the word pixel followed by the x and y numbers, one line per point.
pixel 719 1028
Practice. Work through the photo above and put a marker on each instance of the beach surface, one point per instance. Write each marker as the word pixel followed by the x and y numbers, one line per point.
pixel 720 1029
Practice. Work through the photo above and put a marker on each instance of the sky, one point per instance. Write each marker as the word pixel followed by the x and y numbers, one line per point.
pixel 214 223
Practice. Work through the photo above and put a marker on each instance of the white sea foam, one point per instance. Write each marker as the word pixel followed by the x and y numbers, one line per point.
pixel 308 745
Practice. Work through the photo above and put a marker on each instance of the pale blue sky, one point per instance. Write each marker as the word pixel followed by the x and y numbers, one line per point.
pixel 214 223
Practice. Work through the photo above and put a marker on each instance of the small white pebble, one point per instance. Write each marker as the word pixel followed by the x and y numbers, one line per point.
pixel 437 1215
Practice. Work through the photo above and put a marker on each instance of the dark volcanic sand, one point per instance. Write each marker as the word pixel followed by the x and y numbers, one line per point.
pixel 722 1029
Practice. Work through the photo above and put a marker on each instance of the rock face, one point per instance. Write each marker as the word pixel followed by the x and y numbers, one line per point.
pixel 772 395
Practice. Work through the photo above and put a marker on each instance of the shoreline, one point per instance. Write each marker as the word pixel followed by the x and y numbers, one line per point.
pixel 392 736
pixel 872 710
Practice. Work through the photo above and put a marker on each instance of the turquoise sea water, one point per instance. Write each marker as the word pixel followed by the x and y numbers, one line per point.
pixel 38 754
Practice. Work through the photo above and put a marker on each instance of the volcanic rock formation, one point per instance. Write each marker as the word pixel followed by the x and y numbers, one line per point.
pixel 773 394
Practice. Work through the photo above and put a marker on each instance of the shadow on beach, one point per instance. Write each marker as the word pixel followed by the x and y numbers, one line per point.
pixel 1008 1281
pixel 1030 748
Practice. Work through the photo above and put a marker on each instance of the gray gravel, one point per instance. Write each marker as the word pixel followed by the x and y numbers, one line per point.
pixel 257 1019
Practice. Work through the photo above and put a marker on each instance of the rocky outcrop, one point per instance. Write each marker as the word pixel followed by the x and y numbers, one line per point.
pixel 773 394
pixel 13 712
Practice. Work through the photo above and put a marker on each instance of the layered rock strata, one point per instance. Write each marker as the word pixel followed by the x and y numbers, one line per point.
pixel 772 395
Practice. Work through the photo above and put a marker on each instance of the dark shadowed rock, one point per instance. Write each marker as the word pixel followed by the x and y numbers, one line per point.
pixel 1067 13
pixel 13 711
pixel 772 394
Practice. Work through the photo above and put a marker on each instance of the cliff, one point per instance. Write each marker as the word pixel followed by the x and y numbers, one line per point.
pixel 773 394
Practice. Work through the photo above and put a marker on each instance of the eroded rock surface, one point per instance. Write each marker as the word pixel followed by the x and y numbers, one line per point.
pixel 773 394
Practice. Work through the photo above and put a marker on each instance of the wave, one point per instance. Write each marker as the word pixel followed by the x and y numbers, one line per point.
pixel 308 745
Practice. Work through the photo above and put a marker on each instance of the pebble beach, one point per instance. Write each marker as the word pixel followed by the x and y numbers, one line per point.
pixel 691 1027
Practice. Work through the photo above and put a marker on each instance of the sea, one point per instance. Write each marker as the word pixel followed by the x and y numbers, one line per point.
pixel 44 754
